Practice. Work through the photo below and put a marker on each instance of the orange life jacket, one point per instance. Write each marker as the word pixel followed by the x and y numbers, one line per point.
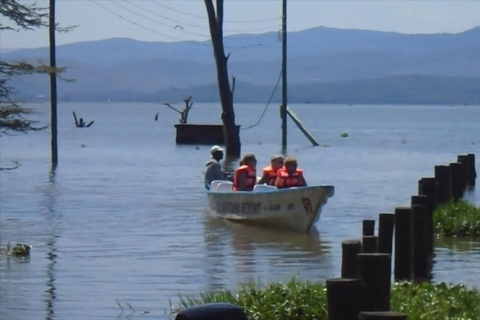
pixel 251 178
pixel 272 175
pixel 286 180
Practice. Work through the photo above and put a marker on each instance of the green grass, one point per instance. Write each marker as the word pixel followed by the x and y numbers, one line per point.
pixel 301 300
pixel 457 219
pixel 435 302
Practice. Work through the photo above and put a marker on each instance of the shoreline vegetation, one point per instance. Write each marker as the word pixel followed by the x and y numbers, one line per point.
pixel 457 219
pixel 305 300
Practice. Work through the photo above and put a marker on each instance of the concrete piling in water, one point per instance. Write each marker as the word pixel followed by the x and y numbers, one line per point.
pixel 375 269
pixel 420 243
pixel 368 227
pixel 386 315
pixel 456 190
pixel 403 244
pixel 350 249
pixel 442 175
pixel 369 244
pixel 471 172
pixel 386 223
pixel 344 298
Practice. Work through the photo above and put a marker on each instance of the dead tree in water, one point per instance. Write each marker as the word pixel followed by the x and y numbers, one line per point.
pixel 230 130
pixel 184 112
pixel 80 123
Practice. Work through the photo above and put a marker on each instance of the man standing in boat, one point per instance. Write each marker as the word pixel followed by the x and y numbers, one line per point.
pixel 214 169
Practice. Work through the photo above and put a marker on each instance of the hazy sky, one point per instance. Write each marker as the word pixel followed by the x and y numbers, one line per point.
pixel 179 20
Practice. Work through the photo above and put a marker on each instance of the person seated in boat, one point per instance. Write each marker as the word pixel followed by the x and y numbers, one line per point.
pixel 270 173
pixel 290 176
pixel 214 169
pixel 246 175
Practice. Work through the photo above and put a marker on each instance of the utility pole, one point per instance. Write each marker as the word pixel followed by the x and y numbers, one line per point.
pixel 283 107
pixel 53 84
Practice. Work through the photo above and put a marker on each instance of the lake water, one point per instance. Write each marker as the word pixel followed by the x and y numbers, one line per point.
pixel 123 219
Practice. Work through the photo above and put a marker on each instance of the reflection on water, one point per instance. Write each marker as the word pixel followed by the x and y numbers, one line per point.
pixel 269 252
pixel 455 254
pixel 47 206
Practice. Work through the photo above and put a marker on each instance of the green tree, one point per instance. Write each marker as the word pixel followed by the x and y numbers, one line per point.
pixel 20 17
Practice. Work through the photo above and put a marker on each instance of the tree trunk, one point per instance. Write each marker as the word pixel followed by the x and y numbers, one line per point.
pixel 230 131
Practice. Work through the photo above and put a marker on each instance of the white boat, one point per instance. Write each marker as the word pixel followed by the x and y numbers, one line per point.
pixel 296 209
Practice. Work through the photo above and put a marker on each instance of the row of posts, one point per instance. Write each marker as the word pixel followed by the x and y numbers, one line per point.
pixel 363 291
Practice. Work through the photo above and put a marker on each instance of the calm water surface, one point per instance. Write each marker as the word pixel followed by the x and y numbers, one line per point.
pixel 123 219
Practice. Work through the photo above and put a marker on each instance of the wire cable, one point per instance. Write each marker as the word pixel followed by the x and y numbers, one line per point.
pixel 204 42
pixel 268 103
pixel 204 17
pixel 183 23
pixel 146 28
pixel 157 22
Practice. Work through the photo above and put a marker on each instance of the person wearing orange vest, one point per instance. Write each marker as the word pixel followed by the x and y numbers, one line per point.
pixel 290 176
pixel 246 175
pixel 270 173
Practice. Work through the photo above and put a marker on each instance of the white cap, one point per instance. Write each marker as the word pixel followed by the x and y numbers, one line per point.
pixel 216 149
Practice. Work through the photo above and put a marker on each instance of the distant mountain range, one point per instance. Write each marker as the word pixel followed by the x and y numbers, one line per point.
pixel 325 65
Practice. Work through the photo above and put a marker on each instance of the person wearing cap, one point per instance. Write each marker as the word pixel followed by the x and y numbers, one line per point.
pixel 290 176
pixel 214 169
pixel 270 173
pixel 246 175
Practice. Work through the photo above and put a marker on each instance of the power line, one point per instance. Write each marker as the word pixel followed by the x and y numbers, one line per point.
pixel 182 23
pixel 170 37
pixel 155 21
pixel 167 18
pixel 268 103
pixel 204 17
pixel 146 28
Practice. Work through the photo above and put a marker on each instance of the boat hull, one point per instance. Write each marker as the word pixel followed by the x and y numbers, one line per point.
pixel 296 209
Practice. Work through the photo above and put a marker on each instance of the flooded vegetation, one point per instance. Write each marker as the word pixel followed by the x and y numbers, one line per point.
pixel 457 219
pixel 305 300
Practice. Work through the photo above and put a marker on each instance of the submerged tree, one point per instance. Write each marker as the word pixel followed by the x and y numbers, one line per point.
pixel 22 17
pixel 230 130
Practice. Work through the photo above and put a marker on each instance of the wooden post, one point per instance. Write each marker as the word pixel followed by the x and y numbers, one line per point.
pixel 375 270
pixel 471 172
pixel 425 201
pixel 368 227
pixel 283 108
pixel 369 244
pixel 420 254
pixel 429 187
pixel 386 315
pixel 350 249
pixel 53 84
pixel 403 243
pixel 386 224
pixel 344 298
pixel 456 181
pixel 462 159
pixel 442 175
